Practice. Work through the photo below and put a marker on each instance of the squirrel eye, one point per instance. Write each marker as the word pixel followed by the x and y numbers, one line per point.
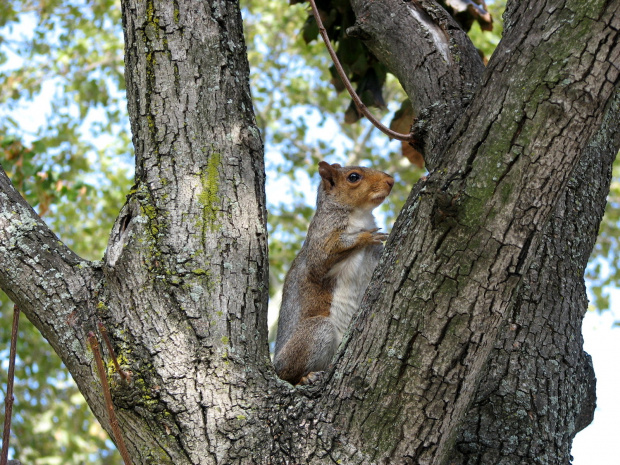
pixel 354 177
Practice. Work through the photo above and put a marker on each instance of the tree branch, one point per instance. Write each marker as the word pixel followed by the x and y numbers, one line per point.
pixel 434 60
pixel 345 80
pixel 544 328
pixel 9 399
pixel 54 288
pixel 39 273
pixel 540 349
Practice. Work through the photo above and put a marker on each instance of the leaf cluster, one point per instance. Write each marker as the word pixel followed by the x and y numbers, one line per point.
pixel 51 423
pixel 603 272
pixel 64 142
pixel 361 66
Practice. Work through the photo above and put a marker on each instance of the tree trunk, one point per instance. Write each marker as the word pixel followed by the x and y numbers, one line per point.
pixel 467 348
pixel 539 383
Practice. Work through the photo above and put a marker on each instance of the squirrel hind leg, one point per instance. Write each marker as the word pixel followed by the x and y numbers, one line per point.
pixel 311 378
pixel 309 349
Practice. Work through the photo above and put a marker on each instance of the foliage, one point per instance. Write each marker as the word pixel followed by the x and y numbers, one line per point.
pixel 603 270
pixel 486 41
pixel 70 55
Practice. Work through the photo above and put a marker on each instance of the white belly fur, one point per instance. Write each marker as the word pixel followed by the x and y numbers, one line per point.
pixel 352 277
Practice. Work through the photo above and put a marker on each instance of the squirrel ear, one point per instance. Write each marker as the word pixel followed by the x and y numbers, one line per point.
pixel 327 172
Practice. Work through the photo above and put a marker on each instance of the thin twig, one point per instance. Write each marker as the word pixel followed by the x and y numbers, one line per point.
pixel 120 443
pixel 106 339
pixel 358 101
pixel 8 400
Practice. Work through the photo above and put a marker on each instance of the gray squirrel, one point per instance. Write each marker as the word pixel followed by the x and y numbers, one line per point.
pixel 327 280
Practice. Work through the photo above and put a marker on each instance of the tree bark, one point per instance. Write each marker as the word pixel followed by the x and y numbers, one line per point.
pixel 182 289
pixel 539 384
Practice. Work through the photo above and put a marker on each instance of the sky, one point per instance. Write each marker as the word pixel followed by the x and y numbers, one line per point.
pixel 596 445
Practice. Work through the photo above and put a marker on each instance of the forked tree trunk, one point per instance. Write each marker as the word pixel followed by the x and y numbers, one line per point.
pixel 467 348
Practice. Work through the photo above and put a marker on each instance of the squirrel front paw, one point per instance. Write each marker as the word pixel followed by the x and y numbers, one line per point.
pixel 348 242
pixel 377 237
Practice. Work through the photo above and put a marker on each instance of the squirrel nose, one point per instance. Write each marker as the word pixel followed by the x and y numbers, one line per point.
pixel 390 182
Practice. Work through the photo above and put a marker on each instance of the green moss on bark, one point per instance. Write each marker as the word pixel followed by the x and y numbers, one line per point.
pixel 208 198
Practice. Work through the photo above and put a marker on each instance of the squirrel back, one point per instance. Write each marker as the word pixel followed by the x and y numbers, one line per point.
pixel 328 278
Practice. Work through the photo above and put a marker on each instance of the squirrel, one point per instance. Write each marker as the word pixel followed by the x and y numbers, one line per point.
pixel 327 280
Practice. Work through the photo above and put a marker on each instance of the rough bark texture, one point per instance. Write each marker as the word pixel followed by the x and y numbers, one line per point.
pixel 186 268
pixel 51 285
pixel 539 384
pixel 467 349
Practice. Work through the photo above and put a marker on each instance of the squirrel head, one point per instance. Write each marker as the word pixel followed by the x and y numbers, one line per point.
pixel 354 187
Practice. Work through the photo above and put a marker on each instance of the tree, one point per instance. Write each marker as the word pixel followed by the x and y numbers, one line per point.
pixel 467 348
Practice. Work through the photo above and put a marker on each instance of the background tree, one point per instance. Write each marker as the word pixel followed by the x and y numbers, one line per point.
pixel 182 280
